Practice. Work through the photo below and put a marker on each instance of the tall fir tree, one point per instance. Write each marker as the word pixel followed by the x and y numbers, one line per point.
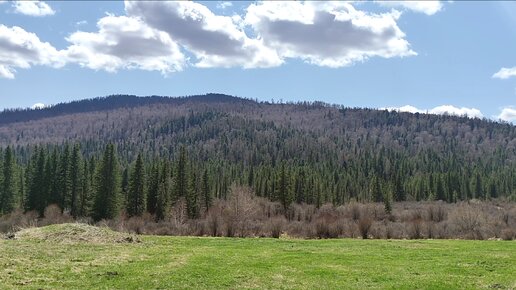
pixel 8 196
pixel 36 197
pixel 205 190
pixel 75 176
pixel 163 198
pixel 439 189
pixel 107 186
pixel 136 196
pixel 479 190
pixel 152 189
pixel 192 197
pixel 86 195
pixel 283 189
pixel 181 179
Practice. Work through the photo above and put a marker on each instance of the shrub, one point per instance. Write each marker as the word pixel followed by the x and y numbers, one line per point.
pixel 508 234
pixel 276 226
pixel 364 225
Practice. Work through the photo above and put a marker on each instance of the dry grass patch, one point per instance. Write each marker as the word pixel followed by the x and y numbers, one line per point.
pixel 75 233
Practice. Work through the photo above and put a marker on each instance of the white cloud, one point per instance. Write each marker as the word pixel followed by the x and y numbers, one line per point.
pixel 38 106
pixel 125 43
pixel 426 7
pixel 33 8
pixel 216 41
pixel 505 73
pixel 224 4
pixel 406 108
pixel 440 110
pixel 508 114
pixel 154 34
pixel 22 49
pixel 332 34
pixel 451 110
pixel 82 22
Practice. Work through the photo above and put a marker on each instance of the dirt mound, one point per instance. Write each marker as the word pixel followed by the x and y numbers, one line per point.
pixel 75 233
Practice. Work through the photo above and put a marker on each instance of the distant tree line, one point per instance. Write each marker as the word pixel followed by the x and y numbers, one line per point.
pixel 104 184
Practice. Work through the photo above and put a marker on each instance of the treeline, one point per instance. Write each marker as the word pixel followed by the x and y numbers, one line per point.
pixel 102 185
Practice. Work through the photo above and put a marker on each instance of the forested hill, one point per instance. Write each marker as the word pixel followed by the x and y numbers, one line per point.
pixel 103 104
pixel 302 152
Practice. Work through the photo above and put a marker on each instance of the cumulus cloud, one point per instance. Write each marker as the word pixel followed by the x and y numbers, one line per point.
pixel 426 7
pixel 154 35
pixel 451 110
pixel 332 34
pixel 125 43
pixel 508 114
pixel 505 73
pixel 38 106
pixel 224 4
pixel 216 41
pixel 440 110
pixel 22 49
pixel 33 8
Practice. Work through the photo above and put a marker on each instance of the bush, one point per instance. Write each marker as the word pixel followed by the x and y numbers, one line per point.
pixel 276 226
pixel 364 223
pixel 508 234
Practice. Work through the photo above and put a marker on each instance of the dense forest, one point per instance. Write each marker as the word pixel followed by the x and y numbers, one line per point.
pixel 100 157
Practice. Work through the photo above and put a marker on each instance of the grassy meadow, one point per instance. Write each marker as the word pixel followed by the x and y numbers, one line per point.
pixel 257 263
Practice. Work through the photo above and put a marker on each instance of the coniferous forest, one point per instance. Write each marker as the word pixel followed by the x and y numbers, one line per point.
pixel 104 157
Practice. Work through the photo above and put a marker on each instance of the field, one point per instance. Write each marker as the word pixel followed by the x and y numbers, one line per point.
pixel 259 263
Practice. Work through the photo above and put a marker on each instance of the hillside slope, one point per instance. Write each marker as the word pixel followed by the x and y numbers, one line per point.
pixel 327 153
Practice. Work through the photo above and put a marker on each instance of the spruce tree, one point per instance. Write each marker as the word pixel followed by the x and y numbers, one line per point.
pixel 36 197
pixel 153 187
pixel 192 197
pixel 439 189
pixel 181 180
pixel 163 198
pixel 107 186
pixel 376 190
pixel 136 198
pixel 75 177
pixel 283 188
pixel 64 180
pixel 479 192
pixel 205 190
pixel 86 195
pixel 8 196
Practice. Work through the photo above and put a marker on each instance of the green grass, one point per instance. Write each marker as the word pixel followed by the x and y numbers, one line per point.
pixel 210 263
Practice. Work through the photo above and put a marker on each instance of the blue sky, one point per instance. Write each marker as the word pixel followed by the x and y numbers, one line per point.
pixel 437 57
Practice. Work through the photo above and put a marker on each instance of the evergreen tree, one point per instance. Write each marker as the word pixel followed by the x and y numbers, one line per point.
pixel 153 187
pixel 136 198
pixel 125 187
pixel 8 196
pixel 205 190
pixel 86 195
pixel 51 175
pixel 479 191
pixel 283 189
pixel 163 198
pixel 387 201
pixel 181 180
pixel 75 176
pixel 439 189
pixel 376 190
pixel 65 180
pixel 107 186
pixel 36 197
pixel 192 197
